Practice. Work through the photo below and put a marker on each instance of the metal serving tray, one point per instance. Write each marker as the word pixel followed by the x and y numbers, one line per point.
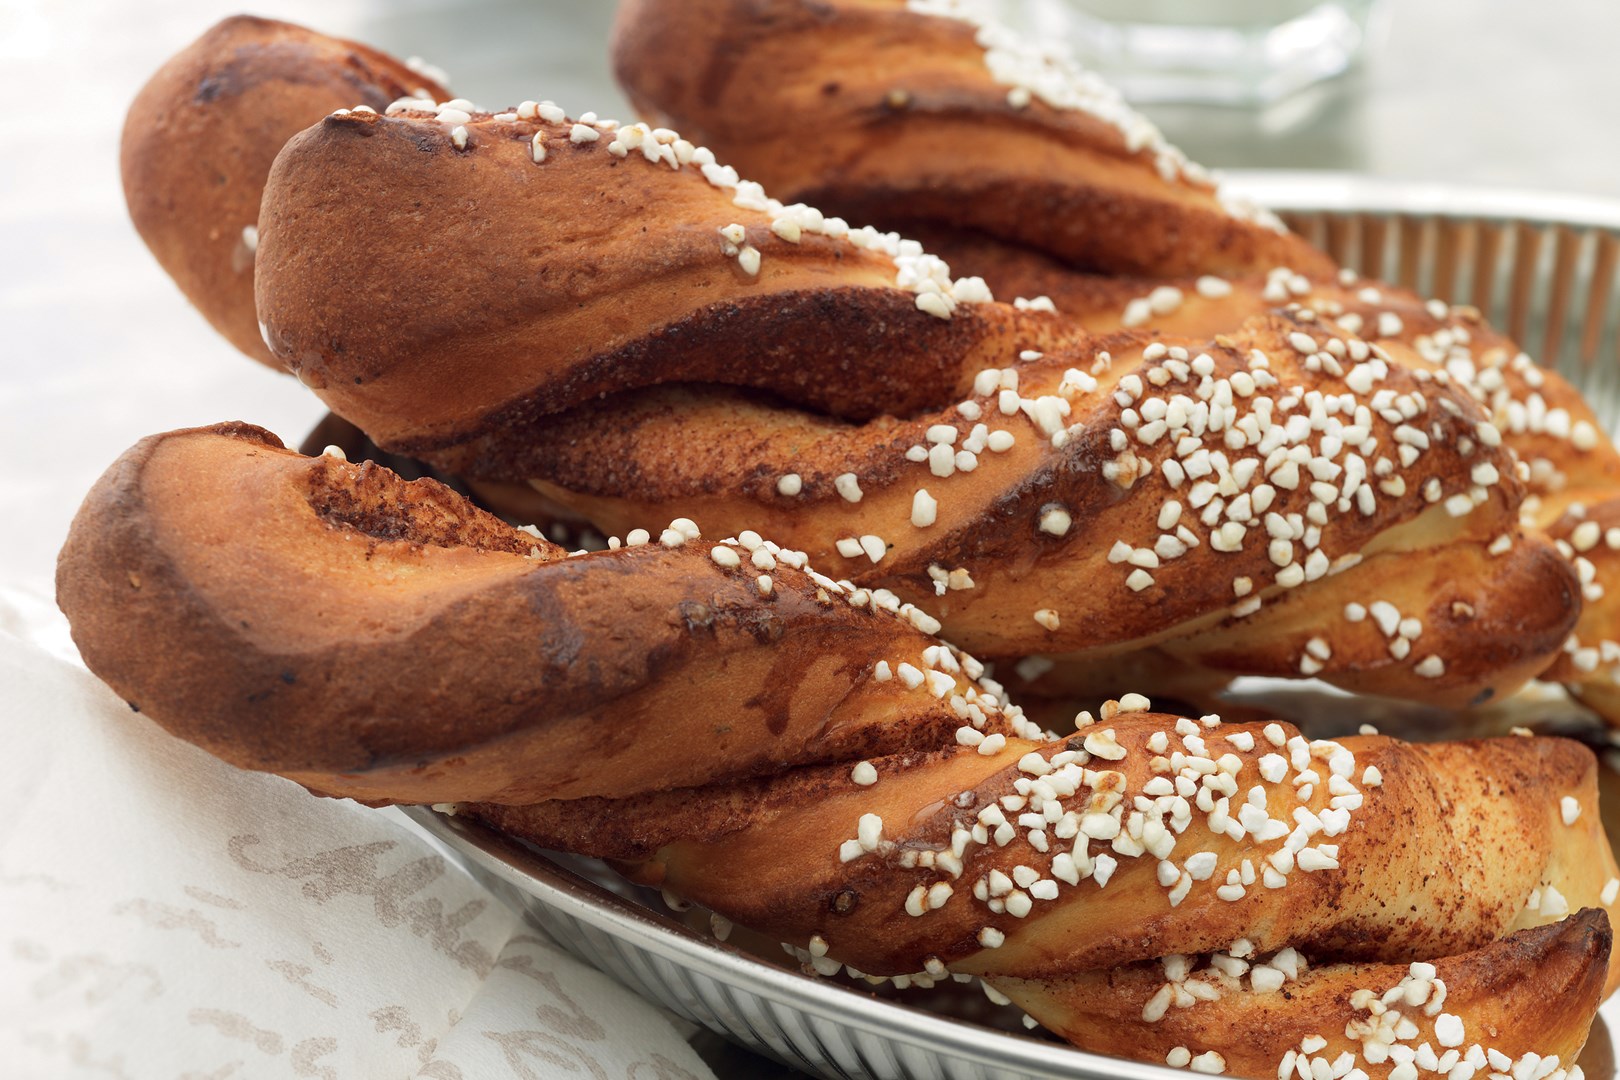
pixel 1541 266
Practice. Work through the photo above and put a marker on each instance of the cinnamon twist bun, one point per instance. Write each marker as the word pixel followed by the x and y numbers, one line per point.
pixel 898 113
pixel 805 760
pixel 1044 492
pixel 760 81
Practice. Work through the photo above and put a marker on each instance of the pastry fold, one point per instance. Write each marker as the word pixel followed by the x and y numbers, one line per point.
pixel 388 641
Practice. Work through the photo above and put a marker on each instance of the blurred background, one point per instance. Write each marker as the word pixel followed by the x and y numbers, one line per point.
pixel 100 349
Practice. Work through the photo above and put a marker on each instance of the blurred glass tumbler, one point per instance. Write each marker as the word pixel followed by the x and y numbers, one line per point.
pixel 1223 52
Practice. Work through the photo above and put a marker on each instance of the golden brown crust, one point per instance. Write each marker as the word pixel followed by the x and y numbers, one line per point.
pixel 1554 973
pixel 549 344
pixel 388 641
pixel 1431 857
pixel 200 137
pixel 530 298
pixel 890 117
pixel 1439 860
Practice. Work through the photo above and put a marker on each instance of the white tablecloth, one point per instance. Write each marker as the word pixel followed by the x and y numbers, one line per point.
pixel 163 915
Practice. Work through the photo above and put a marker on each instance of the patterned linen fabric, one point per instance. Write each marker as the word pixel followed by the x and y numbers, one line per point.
pixel 165 915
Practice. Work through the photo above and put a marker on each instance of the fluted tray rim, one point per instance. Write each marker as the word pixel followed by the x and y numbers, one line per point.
pixel 1328 191
pixel 533 875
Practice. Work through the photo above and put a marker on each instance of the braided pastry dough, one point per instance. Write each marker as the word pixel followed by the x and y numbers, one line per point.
pixel 897 112
pixel 369 636
pixel 387 641
pixel 1200 482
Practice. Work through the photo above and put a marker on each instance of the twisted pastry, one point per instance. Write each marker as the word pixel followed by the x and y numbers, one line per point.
pixel 1572 468
pixel 418 649
pixel 900 112
pixel 992 459
pixel 1227 897
pixel 503 427
pixel 520 335
pixel 200 137
pixel 909 84
pixel 1389 806
pixel 1096 933
pixel 1108 967
pixel 366 635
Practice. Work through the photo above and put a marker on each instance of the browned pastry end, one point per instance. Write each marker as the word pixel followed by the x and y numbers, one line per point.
pixel 1110 885
pixel 200 137
pixel 890 113
pixel 556 524
pixel 1458 1005
pixel 386 640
